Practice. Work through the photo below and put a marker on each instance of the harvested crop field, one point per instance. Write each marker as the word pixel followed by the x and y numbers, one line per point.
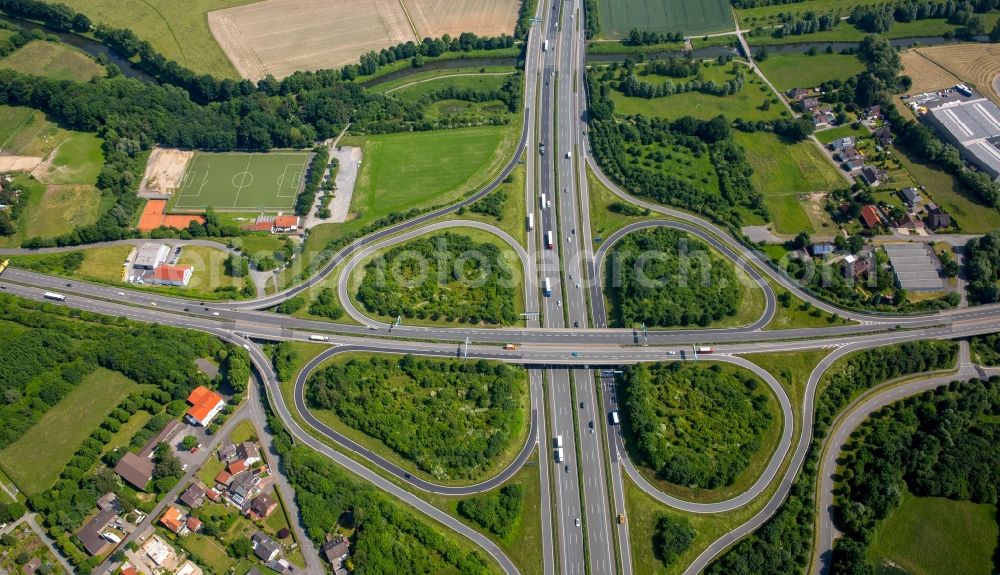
pixel 279 37
pixel 926 75
pixel 975 64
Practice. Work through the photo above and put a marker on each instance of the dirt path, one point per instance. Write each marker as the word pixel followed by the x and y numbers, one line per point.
pixel 408 84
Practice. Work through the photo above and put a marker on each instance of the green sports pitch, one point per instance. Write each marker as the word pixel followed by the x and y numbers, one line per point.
pixel 241 181
pixel 690 17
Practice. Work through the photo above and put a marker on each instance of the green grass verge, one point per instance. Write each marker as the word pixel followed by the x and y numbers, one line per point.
pixel 604 222
pixel 413 88
pixel 783 173
pixel 421 169
pixel 787 71
pixel 515 215
pixel 53 60
pixel 178 30
pixel 930 535
pixel 35 460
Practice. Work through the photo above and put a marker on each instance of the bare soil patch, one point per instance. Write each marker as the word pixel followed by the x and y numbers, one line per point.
pixel 279 37
pixel 975 64
pixel 18 163
pixel 164 170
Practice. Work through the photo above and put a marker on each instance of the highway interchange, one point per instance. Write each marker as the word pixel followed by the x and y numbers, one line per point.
pixel 571 396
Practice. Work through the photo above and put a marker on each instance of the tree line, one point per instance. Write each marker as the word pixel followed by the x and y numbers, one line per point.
pixel 632 86
pixel 783 544
pixel 497 511
pixel 695 427
pixel 878 19
pixel 942 443
pixel 314 175
pixel 449 418
pixel 662 277
pixel 384 534
pixel 982 268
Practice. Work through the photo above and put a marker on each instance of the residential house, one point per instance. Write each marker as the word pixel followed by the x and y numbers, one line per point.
pixel 848 153
pixel 809 104
pixel 335 551
pixel 193 524
pixel 871 217
pixel 248 452
pixel 194 495
pixel 169 275
pixel 797 93
pixel 281 566
pixel 173 519
pixel 91 536
pixel 855 267
pixel 160 552
pixel 222 480
pixel 129 569
pixel 236 467
pixel 107 501
pixel 873 113
pixel 883 137
pixel 135 470
pixel 853 164
pixel 822 249
pixel 872 175
pixel 205 405
pixel 937 218
pixel 213 495
pixel 841 143
pixel 188 568
pixel 911 196
pixel 262 506
pixel 227 451
pixel 265 548
pixel 242 489
pixel 824 117
pixel 910 221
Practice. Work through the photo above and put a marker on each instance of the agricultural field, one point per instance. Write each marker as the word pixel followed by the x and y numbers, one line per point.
pixel 239 181
pixel 929 535
pixel 691 17
pixel 792 179
pixel 27 132
pixel 279 37
pixel 35 460
pixel 933 67
pixel 746 103
pixel 787 71
pixel 178 30
pixel 53 60
pixel 421 169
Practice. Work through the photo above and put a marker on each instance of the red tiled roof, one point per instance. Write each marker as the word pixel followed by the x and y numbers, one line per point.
pixel 223 477
pixel 869 215
pixel 203 401
pixel 170 273
pixel 193 523
pixel 172 519
pixel 264 226
pixel 236 467
pixel 129 571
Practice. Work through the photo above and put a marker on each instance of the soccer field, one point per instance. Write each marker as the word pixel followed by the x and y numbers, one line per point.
pixel 690 17
pixel 252 182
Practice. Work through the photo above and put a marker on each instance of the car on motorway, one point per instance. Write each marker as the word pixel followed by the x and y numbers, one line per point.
pixel 215 313
pixel 576 324
pixel 582 405
pixel 621 519
pixel 566 467
pixel 577 521
pixel 591 424
pixel 575 354
pixel 152 303
pixel 407 475
pixel 69 285
pixel 671 352
pixel 121 293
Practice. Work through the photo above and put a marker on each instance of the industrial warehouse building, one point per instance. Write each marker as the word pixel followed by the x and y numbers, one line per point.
pixel 971 124
pixel 914 268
